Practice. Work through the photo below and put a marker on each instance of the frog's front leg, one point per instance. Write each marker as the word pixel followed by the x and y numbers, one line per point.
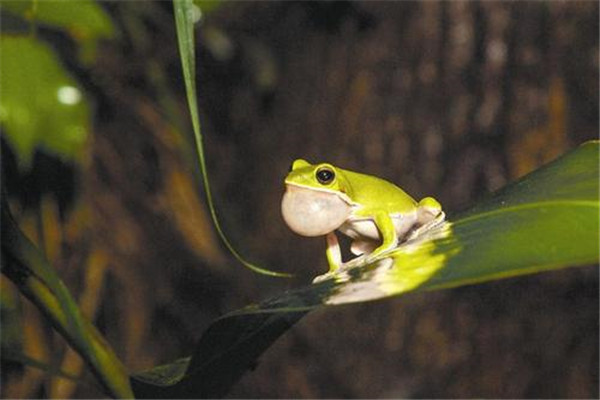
pixel 334 258
pixel 387 230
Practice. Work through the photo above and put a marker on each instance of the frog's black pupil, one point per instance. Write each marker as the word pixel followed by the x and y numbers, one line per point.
pixel 325 176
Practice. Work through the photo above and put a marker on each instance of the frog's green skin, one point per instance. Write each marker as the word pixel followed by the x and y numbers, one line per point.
pixel 322 198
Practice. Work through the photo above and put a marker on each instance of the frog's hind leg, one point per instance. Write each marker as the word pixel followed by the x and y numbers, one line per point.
pixel 429 215
pixel 428 209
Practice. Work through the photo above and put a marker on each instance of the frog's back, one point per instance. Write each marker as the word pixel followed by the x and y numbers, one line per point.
pixel 373 192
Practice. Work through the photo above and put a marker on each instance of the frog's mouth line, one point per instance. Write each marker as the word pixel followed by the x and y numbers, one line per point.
pixel 343 196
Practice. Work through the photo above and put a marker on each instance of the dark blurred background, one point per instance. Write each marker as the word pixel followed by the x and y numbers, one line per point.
pixel 448 99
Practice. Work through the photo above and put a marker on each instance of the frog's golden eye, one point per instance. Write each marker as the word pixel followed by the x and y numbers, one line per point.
pixel 325 175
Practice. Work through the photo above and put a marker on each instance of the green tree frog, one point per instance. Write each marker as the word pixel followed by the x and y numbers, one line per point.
pixel 321 198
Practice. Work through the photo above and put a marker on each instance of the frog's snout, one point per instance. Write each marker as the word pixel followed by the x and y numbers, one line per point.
pixel 311 212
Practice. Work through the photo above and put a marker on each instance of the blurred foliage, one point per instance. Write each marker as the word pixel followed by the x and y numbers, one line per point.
pixel 42 105
pixel 10 320
pixel 84 20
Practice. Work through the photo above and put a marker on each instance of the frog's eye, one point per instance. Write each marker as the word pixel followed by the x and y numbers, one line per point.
pixel 325 175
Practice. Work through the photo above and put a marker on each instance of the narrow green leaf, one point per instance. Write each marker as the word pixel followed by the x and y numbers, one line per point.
pixel 184 21
pixel 26 267
pixel 548 219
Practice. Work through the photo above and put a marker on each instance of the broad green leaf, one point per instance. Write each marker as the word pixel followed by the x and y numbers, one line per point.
pixel 27 268
pixel 42 104
pixel 549 219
